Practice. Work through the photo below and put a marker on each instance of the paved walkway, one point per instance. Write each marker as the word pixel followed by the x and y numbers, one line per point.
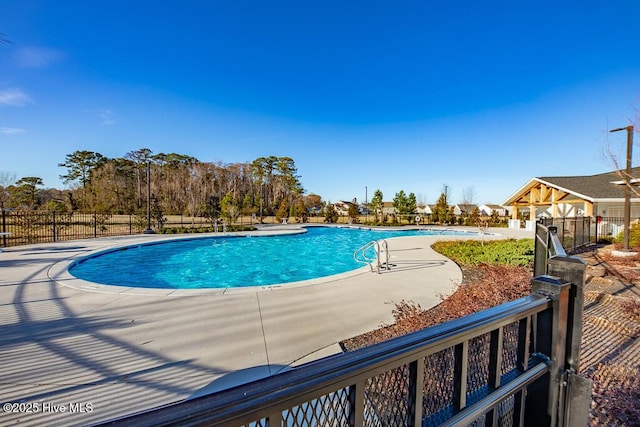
pixel 610 354
pixel 77 353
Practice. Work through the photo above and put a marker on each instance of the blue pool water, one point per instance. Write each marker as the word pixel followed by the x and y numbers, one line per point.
pixel 223 262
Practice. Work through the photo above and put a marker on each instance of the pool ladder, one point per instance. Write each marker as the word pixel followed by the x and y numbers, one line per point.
pixel 360 254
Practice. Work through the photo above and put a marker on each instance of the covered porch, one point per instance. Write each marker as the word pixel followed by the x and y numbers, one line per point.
pixel 542 200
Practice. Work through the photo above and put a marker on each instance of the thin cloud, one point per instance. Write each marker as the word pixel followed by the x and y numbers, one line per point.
pixel 37 57
pixel 14 97
pixel 4 39
pixel 11 131
pixel 107 116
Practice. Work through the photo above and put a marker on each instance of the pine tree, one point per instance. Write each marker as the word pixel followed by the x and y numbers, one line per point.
pixel 283 211
pixel 441 211
pixel 229 208
pixel 376 205
pixel 354 212
pixel 412 204
pixel 330 215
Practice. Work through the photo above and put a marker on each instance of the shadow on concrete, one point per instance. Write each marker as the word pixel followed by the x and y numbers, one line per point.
pixel 235 378
pixel 30 260
pixel 51 355
pixel 408 264
pixel 48 249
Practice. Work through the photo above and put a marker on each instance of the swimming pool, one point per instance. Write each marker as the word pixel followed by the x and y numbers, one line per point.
pixel 233 262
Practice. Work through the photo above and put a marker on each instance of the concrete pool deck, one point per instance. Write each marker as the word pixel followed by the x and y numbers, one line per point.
pixel 75 353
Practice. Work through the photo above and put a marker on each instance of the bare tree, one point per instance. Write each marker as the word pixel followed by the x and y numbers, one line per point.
pixel 468 195
pixel 6 179
pixel 621 155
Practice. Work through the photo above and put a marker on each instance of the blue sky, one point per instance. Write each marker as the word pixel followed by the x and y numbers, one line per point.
pixel 395 96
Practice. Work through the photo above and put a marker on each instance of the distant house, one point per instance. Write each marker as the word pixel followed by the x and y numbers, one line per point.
pixel 315 211
pixel 464 209
pixel 342 207
pixel 388 208
pixel 574 196
pixel 425 209
pixel 488 210
pixel 364 209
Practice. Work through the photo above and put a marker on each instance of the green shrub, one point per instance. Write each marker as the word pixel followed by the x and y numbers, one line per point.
pixel 473 253
pixel 182 230
pixel 240 228
pixel 634 236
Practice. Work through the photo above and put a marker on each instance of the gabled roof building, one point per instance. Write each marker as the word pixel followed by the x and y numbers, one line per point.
pixel 489 209
pixel 466 209
pixel 574 196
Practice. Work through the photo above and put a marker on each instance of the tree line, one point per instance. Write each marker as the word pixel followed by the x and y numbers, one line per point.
pixel 171 183
pixel 405 205
pixel 178 184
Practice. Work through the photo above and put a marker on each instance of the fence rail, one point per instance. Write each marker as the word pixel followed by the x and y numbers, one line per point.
pixel 20 228
pixel 577 232
pixel 511 365
pixel 29 227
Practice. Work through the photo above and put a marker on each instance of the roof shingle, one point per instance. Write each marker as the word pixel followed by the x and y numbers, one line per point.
pixel 594 186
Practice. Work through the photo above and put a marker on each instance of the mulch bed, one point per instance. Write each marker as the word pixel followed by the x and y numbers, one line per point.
pixel 610 354
pixel 482 288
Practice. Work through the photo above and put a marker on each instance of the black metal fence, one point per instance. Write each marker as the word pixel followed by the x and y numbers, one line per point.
pixel 514 364
pixel 26 227
pixel 29 227
pixel 578 232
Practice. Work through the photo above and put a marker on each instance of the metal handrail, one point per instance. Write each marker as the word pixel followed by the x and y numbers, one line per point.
pixel 386 253
pixel 379 246
pixel 547 246
pixel 476 411
pixel 359 255
pixel 555 245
